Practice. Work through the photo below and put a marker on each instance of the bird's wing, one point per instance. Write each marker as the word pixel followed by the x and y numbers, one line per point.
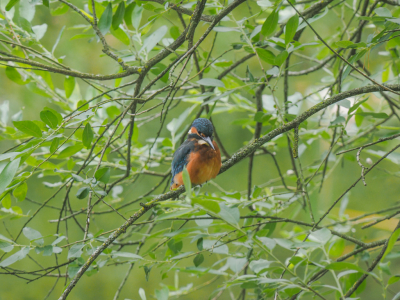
pixel 181 157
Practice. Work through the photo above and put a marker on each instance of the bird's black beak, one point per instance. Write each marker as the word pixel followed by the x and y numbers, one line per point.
pixel 209 141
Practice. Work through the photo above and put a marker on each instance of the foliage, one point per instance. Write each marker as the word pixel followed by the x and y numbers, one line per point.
pixel 100 148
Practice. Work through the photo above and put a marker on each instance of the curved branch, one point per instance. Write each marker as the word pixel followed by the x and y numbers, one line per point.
pixel 238 156
pixel 309 13
pixel 391 2
pixel 130 71
pixel 205 18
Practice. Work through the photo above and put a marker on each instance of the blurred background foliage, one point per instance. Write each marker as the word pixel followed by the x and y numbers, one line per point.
pixel 137 31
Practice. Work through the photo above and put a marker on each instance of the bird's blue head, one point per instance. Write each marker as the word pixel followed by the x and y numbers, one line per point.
pixel 202 129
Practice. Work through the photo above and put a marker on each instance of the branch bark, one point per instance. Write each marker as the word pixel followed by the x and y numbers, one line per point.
pixel 238 156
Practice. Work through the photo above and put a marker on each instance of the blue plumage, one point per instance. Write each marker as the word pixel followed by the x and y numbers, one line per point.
pixel 199 154
pixel 203 126
pixel 181 157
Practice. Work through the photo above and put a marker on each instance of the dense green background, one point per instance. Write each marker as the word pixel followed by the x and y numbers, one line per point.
pixel 86 56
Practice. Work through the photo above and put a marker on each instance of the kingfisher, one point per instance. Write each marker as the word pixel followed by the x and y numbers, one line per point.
pixel 198 153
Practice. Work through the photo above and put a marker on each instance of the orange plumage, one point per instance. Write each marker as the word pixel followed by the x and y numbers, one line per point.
pixel 202 160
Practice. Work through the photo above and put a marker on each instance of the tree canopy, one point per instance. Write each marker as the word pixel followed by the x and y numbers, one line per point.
pixel 97 96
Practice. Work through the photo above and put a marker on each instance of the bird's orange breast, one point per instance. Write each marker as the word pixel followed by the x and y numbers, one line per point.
pixel 204 163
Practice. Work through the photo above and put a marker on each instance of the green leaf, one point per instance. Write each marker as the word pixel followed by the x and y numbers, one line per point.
pixel 229 214
pixel 338 120
pixel 49 118
pixel 128 13
pixel 69 151
pixel 340 266
pixel 374 115
pixel 15 257
pixel 82 193
pixel 75 251
pixel 87 135
pixel 281 57
pixel 393 279
pixel 351 60
pixel 70 164
pixel 118 16
pixel 258 116
pixel 198 260
pixel 105 20
pixel 211 82
pixel 54 145
pixel 355 106
pixel 48 250
pixel 20 191
pixel 392 240
pixel 16 210
pixel 175 214
pixel 344 103
pixel 175 246
pixel 56 113
pixel 249 75
pixel 151 41
pixel 344 44
pixel 385 74
pixel 137 16
pixel 33 87
pixel 6 247
pixel 100 192
pixel 82 36
pixel 262 117
pixel 6 202
pixel 162 294
pixel 186 181
pixel 313 19
pixel 103 175
pixel 60 10
pixel 200 244
pixel 358 118
pixel 269 243
pixel 28 127
pixel 11 4
pixel 225 29
pixel 3 238
pixel 14 75
pixel 82 105
pixel 8 173
pixel 291 28
pixel 127 255
pixel 142 294
pixel 207 204
pixel 321 236
pixel 77 177
pixel 383 12
pixel 40 31
pixel 46 3
pixel 174 32
pixel 46 77
pixel 270 23
pixel 33 235
pixel 58 240
pixel 121 35
pixel 396 297
pixel 69 85
pixel 266 55
pixel 25 24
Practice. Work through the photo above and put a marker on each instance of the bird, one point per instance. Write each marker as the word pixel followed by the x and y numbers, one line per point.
pixel 199 153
